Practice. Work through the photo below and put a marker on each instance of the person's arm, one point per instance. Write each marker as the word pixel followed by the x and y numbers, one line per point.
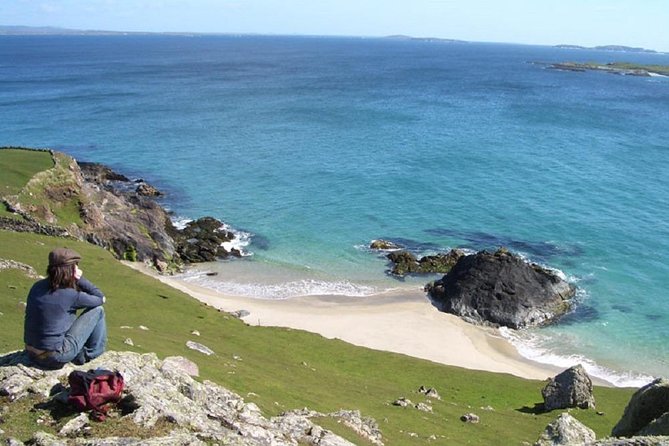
pixel 89 295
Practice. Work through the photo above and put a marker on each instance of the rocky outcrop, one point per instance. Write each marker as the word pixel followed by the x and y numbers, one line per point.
pixel 647 412
pixel 202 413
pixel 501 289
pixel 203 240
pixel 571 388
pixel 405 262
pixel 114 213
pixel 564 431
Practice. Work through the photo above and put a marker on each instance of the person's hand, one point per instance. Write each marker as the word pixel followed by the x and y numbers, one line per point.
pixel 77 272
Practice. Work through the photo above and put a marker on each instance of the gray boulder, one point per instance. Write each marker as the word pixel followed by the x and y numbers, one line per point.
pixel 646 411
pixel 501 289
pixel 571 388
pixel 565 431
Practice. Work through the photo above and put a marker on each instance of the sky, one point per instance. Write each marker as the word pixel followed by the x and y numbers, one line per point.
pixel 638 23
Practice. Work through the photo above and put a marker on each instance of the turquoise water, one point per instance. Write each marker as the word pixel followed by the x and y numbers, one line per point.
pixel 316 146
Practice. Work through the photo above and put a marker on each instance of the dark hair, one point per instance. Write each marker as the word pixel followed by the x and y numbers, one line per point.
pixel 61 276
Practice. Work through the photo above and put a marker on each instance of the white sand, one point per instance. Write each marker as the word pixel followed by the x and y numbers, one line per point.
pixel 406 323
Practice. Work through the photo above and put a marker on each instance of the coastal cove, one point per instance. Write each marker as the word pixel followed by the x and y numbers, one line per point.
pixel 430 144
pixel 400 322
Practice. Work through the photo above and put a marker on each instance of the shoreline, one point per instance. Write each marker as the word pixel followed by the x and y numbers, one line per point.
pixel 405 323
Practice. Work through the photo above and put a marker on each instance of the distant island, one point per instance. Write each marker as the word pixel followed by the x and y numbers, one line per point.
pixel 620 48
pixel 424 39
pixel 51 30
pixel 621 68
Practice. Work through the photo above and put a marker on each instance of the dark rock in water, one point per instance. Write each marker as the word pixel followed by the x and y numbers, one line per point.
pixel 406 263
pixel 147 190
pixel 99 173
pixel 201 241
pixel 383 245
pixel 647 412
pixel 502 289
pixel 571 388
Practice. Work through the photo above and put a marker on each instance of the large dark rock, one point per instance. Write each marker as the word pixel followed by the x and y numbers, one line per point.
pixel 501 289
pixel 646 412
pixel 406 263
pixel 571 388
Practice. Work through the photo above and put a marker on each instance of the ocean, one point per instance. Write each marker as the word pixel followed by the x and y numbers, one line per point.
pixel 311 147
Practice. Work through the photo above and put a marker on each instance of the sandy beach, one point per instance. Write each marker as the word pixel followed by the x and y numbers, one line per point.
pixel 404 323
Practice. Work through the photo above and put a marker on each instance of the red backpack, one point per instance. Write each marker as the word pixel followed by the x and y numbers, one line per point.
pixel 93 390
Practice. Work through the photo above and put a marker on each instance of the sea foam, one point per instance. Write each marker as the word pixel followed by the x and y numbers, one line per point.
pixel 284 290
pixel 527 345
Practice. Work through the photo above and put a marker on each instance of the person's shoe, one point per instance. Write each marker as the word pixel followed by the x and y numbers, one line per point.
pixel 80 359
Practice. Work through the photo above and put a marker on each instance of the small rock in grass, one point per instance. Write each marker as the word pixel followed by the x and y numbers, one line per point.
pixel 402 402
pixel 199 347
pixel 470 418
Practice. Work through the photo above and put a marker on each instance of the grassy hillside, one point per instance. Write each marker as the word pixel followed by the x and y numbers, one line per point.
pixel 281 369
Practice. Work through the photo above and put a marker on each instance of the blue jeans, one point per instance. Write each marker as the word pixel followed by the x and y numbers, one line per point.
pixel 85 340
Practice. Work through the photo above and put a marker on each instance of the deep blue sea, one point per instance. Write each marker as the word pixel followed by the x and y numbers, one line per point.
pixel 315 146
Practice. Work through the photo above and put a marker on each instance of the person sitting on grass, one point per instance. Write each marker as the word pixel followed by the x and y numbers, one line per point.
pixel 53 334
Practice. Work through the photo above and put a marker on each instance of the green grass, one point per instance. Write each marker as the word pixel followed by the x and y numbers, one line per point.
pixel 19 166
pixel 271 371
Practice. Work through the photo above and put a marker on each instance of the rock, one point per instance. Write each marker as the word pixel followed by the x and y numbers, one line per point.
pixel 240 313
pixel 99 173
pixel 470 418
pixel 199 347
pixel 366 427
pixel 26 269
pixel 160 265
pixel 429 392
pixel 501 289
pixel 195 333
pixel 406 263
pixel 402 402
pixel 116 214
pixel 383 245
pixel 571 388
pixel 202 412
pixel 649 403
pixel 424 407
pixel 659 426
pixel 181 364
pixel 75 425
pixel 566 430
pixel 128 341
pixel 202 241
pixel 147 190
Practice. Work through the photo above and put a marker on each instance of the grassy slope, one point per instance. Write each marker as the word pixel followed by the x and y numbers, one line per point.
pixel 33 178
pixel 282 369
